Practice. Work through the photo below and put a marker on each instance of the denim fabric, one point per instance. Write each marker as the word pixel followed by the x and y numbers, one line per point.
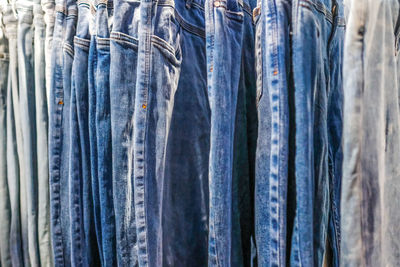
pixel 5 207
pixel 43 213
pixel 27 96
pixel 103 132
pixel 14 141
pixel 273 20
pixel 371 171
pixel 317 55
pixel 59 125
pixel 124 53
pixel 84 245
pixel 92 72
pixel 49 19
pixel 171 131
pixel 224 24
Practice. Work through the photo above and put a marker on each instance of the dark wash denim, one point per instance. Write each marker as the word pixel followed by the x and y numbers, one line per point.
pixel 272 20
pixel 124 53
pixel 317 44
pixel 103 132
pixel 5 206
pixel 371 131
pixel 14 140
pixel 43 213
pixel 84 250
pixel 59 125
pixel 171 131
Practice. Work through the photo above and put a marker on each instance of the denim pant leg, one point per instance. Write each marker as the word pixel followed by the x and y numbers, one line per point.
pixel 5 206
pixel 48 7
pixel 123 63
pixel 273 54
pixel 42 137
pixel 62 58
pixel 14 141
pixel 224 26
pixel 28 121
pixel 103 132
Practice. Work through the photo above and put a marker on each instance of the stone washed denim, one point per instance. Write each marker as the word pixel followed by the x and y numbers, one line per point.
pixel 27 97
pixel 317 43
pixel 83 235
pixel 5 207
pixel 48 7
pixel 104 12
pixel 62 58
pixel 371 170
pixel 124 53
pixel 171 135
pixel 43 213
pixel 14 141
pixel 273 20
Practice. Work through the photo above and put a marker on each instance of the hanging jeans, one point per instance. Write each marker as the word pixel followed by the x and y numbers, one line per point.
pixel 83 236
pixel 124 52
pixel 14 144
pixel 59 125
pixel 171 131
pixel 5 207
pixel 317 49
pixel 272 20
pixel 371 131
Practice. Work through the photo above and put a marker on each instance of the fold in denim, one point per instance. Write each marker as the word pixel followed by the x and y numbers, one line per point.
pixel 5 205
pixel 371 131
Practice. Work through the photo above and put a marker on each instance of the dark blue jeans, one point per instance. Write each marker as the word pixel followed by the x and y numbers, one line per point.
pixel 171 131
pixel 83 235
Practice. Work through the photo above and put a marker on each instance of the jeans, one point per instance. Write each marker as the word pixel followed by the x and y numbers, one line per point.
pixel 225 26
pixel 59 125
pixel 124 53
pixel 103 133
pixel 43 213
pixel 49 19
pixel 14 143
pixel 370 186
pixel 5 207
pixel 27 96
pixel 83 235
pixel 273 20
pixel 171 135
pixel 317 43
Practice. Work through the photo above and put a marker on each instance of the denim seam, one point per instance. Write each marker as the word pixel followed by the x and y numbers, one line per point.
pixel 125 39
pixel 189 27
pixel 162 43
pixel 69 49
pixel 102 43
pixel 318 6
pixel 83 43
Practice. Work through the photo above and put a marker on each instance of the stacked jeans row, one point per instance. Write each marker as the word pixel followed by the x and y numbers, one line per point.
pixel 199 132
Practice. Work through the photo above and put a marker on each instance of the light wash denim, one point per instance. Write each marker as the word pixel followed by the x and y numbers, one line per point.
pixel 14 141
pixel 43 213
pixel 273 19
pixel 371 131
pixel 5 207
pixel 317 53
pixel 171 135
pixel 124 53
pixel 59 126
pixel 48 7
pixel 84 247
